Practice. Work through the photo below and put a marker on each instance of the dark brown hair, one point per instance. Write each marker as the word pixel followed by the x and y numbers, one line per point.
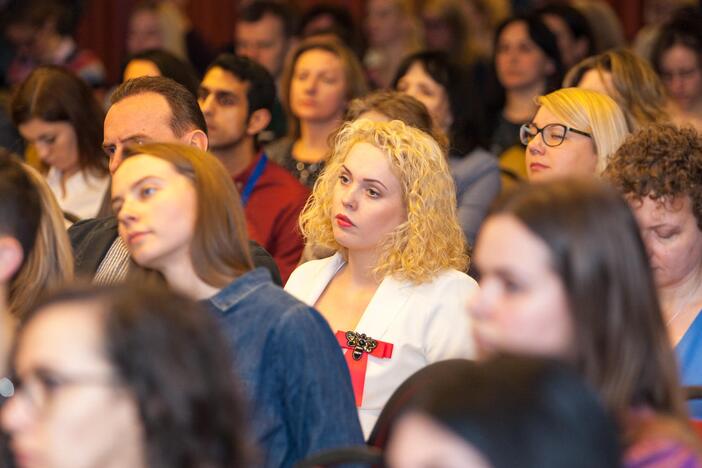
pixel 621 346
pixel 185 111
pixel 661 162
pixel 181 377
pixel 53 94
pixel 219 250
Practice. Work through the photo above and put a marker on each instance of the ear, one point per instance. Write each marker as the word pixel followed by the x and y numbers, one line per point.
pixel 11 257
pixel 258 121
pixel 196 138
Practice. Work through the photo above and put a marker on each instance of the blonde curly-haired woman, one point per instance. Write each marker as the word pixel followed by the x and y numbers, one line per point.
pixel 395 291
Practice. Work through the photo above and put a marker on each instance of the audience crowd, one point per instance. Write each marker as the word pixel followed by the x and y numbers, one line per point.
pixel 458 233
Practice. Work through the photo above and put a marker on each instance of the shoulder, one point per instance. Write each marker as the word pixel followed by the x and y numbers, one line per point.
pixel 308 271
pixel 476 163
pixel 285 181
pixel 450 280
pixel 280 149
pixel 88 228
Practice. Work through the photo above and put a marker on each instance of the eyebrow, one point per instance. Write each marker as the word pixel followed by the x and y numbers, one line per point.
pixel 365 180
pixel 136 184
pixel 128 139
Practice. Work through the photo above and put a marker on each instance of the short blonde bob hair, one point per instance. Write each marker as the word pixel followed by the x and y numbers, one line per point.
pixel 590 112
pixel 431 239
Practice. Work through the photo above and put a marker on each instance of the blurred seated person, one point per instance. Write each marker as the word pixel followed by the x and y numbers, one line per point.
pixel 320 78
pixel 626 78
pixel 445 90
pixel 659 170
pixel 265 32
pixel 565 275
pixel 236 97
pixel 572 32
pixel 59 116
pixel 503 413
pixel 79 377
pixel 42 31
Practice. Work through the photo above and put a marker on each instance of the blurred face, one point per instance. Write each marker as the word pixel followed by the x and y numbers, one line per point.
pixel 419 442
pixel 384 22
pixel 70 408
pixel 136 68
pixel 367 200
pixel 599 81
pixel 519 62
pixel 575 156
pixel 144 32
pixel 56 143
pixel 418 84
pixel 223 101
pixel 263 41
pixel 318 87
pixel 156 210
pixel 437 32
pixel 522 305
pixel 680 71
pixel 673 239
pixel 126 123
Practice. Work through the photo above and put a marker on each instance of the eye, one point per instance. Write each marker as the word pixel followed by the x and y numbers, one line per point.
pixel 202 94
pixel 109 150
pixel 226 100
pixel 667 234
pixel 147 191
pixel 373 193
pixel 344 179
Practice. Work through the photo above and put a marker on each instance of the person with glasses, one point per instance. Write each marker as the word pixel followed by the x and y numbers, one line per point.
pixel 574 132
pixel 123 377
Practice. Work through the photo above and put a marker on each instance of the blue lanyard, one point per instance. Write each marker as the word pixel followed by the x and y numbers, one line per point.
pixel 253 178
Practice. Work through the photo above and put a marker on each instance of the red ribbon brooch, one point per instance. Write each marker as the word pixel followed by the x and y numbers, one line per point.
pixel 359 347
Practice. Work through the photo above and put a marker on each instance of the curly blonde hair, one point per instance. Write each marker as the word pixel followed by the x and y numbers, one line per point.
pixel 592 112
pixel 431 239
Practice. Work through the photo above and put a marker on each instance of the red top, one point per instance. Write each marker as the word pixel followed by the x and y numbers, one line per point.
pixel 272 212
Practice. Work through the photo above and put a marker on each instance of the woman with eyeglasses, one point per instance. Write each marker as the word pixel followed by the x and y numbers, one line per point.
pixel 573 133
pixel 123 377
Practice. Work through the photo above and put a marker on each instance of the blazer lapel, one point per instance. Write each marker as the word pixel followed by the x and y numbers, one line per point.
pixel 389 300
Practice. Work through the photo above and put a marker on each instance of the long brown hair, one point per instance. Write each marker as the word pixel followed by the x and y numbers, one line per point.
pixel 621 346
pixel 219 248
pixel 53 94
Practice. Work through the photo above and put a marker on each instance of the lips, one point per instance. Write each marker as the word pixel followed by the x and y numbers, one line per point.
pixel 343 221
pixel 134 237
pixel 535 167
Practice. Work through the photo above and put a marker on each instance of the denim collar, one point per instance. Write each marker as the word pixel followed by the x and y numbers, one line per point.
pixel 240 288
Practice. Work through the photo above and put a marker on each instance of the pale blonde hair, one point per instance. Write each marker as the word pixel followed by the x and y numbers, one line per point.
pixel 590 112
pixel 430 240
pixel 49 265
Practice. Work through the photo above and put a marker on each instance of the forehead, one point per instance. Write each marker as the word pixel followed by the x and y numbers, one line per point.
pixel 369 161
pixel 679 55
pixel 544 116
pixel 597 80
pixel 675 210
pixel 36 127
pixel 515 31
pixel 63 335
pixel 219 79
pixel 269 26
pixel 140 166
pixel 318 59
pixel 506 243
pixel 145 114
pixel 418 72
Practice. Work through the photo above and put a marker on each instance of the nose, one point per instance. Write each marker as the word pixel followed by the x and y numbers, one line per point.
pixel 536 145
pixel 482 301
pixel 42 149
pixel 349 199
pixel 206 104
pixel 127 213
pixel 16 414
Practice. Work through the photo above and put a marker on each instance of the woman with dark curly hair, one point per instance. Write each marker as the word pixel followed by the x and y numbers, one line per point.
pixel 659 169
pixel 122 377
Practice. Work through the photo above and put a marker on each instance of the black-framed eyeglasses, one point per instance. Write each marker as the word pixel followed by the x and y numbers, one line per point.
pixel 552 134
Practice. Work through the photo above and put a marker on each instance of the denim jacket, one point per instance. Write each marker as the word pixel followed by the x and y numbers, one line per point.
pixel 293 372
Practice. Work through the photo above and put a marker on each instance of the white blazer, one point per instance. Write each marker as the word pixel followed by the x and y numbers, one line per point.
pixel 425 323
